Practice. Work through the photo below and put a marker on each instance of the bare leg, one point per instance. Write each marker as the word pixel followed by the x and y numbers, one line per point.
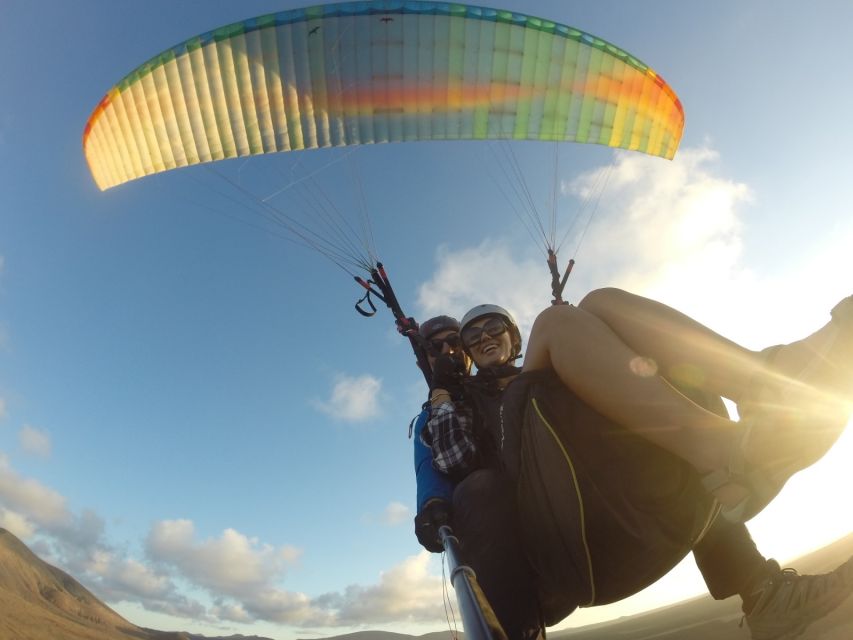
pixel 683 349
pixel 687 351
pixel 624 386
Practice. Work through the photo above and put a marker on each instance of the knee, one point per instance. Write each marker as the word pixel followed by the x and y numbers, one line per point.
pixel 598 301
pixel 552 327
pixel 552 317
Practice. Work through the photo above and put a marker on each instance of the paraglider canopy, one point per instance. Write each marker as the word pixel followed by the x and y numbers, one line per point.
pixel 381 71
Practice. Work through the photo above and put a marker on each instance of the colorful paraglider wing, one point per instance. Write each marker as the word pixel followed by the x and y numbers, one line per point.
pixel 367 72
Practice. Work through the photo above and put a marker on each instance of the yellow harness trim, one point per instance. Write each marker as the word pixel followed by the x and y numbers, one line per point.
pixel 580 503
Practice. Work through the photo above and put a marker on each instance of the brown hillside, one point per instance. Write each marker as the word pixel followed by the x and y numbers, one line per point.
pixel 38 601
pixel 41 602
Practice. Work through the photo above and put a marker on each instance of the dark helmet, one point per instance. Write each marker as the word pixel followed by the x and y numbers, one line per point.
pixel 482 310
pixel 432 326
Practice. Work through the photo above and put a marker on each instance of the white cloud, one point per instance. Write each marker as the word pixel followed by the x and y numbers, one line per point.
pixel 406 592
pixel 663 227
pixel 35 441
pixel 487 273
pixel 242 576
pixel 231 611
pixel 127 576
pixel 353 398
pixel 674 231
pixel 45 511
pixel 396 513
pixel 118 578
pixel 128 573
pixel 287 607
pixel 232 564
pixel 16 523
pixel 239 572
pixel 39 504
pixel 40 515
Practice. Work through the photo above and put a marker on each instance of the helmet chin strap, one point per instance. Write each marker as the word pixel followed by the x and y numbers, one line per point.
pixel 503 370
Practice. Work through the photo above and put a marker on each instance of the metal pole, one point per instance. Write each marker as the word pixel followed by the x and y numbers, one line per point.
pixel 478 618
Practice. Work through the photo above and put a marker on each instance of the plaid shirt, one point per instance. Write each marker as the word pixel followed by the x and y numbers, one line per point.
pixel 450 436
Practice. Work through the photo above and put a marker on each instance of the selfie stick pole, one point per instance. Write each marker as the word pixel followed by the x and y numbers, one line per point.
pixel 478 618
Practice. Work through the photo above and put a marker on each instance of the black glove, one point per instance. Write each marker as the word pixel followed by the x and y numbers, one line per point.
pixel 435 514
pixel 448 371
pixel 406 326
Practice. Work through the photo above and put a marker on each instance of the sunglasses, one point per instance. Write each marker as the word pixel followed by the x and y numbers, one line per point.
pixel 435 346
pixel 472 336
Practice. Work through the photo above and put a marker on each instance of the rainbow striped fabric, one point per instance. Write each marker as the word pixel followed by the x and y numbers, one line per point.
pixel 370 72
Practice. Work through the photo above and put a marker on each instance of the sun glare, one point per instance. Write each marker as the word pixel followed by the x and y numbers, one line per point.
pixel 810 511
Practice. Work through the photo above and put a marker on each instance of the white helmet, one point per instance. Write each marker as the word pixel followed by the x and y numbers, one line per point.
pixel 482 310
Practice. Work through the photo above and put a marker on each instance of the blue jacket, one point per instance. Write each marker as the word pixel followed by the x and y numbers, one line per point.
pixel 430 482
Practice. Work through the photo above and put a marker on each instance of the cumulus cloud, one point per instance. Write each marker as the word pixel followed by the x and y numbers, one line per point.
pixel 16 523
pixel 44 510
pixel 128 575
pixel 119 578
pixel 35 441
pixel 75 541
pixel 674 231
pixel 231 611
pixel 353 398
pixel 240 573
pixel 489 272
pixel 287 607
pixel 39 504
pixel 406 592
pixel 664 226
pixel 232 564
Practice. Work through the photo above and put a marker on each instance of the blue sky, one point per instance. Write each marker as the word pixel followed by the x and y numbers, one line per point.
pixel 195 422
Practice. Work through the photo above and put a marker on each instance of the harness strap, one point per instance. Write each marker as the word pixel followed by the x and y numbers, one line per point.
pixel 366 298
pixel 407 326
pixel 558 283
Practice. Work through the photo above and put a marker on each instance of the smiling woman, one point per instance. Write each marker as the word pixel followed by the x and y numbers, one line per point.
pixel 490 336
